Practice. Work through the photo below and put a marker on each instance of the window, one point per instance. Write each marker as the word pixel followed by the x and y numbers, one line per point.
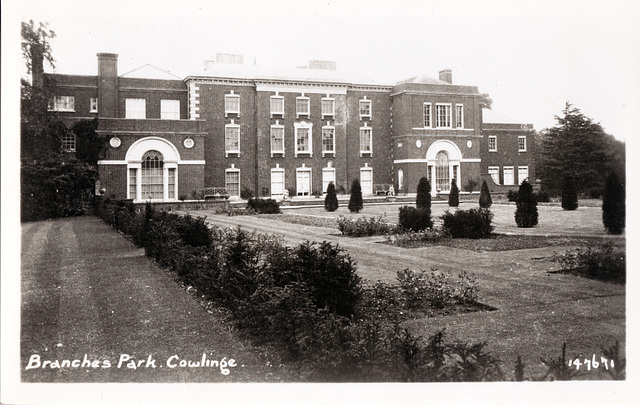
pixel 133 184
pixel 302 106
pixel 493 144
pixel 303 140
pixel 522 144
pixel 277 139
pixel 69 142
pixel 494 172
pixel 427 115
pixel 401 178
pixel 232 104
pixel 364 107
pixel 366 180
pixel 171 186
pixel 136 108
pixel 328 107
pixel 459 116
pixel 232 138
pixel 442 171
pixel 443 115
pixel 523 173
pixel 508 176
pixel 328 140
pixel 152 187
pixel 232 182
pixel 365 140
pixel 303 182
pixel 277 182
pixel 63 103
pixel 170 109
pixel 328 176
pixel 93 105
pixel 277 105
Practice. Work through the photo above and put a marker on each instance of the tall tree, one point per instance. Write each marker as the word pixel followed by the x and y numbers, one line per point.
pixel 579 147
pixel 569 193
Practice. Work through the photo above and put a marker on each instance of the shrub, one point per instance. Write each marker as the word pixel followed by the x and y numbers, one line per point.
pixel 600 262
pixel 355 201
pixel 414 219
pixel 474 223
pixel 526 207
pixel 542 196
pixel 246 193
pixel 454 194
pixel 512 195
pixel 264 205
pixel 331 199
pixel 613 205
pixel 569 193
pixel 364 226
pixel 423 198
pixel 406 239
pixel 485 196
pixel 595 192
pixel 425 287
pixel 470 185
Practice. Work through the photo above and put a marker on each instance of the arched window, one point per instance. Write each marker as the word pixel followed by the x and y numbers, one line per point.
pixel 443 181
pixel 152 176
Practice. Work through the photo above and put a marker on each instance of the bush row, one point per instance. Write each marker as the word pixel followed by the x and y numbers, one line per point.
pixel 364 226
pixel 600 262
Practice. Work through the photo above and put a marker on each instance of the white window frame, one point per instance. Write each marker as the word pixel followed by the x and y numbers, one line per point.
pixel 494 170
pixel 226 182
pixel 331 171
pixel 521 169
pixel 369 191
pixel 524 139
pixel 280 172
pixel 362 102
pixel 511 177
pixel 227 149
pixel 276 126
pixel 68 142
pixel 93 105
pixel 307 170
pixel 333 106
pixel 459 113
pixel 228 108
pixel 363 130
pixel 137 166
pixel 63 104
pixel 135 108
pixel 495 143
pixel 297 127
pixel 169 109
pixel 427 116
pixel 302 100
pixel 280 101
pixel 333 139
pixel 447 117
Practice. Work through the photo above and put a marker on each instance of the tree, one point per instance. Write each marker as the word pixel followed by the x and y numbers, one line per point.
pixel 454 194
pixel 423 199
pixel 569 193
pixel 526 206
pixel 613 205
pixel 485 196
pixel 331 199
pixel 355 201
pixel 577 146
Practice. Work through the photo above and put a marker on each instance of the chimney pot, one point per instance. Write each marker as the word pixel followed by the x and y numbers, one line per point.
pixel 446 76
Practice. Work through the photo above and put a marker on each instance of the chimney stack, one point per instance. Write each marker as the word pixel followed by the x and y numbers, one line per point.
pixel 37 66
pixel 445 76
pixel 108 85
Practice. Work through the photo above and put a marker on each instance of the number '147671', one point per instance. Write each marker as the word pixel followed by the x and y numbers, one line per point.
pixel 592 363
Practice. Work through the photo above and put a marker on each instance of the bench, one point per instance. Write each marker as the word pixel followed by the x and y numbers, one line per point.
pixel 215 193
pixel 383 189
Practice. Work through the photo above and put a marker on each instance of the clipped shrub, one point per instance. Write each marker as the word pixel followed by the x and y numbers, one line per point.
pixel 600 262
pixel 355 201
pixel 364 226
pixel 613 205
pixel 414 219
pixel 331 199
pixel 485 196
pixel 569 193
pixel 423 198
pixel 264 205
pixel 474 223
pixel 246 193
pixel 470 185
pixel 526 206
pixel 407 239
pixel 454 194
pixel 512 195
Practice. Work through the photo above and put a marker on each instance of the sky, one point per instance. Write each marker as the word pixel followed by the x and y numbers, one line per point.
pixel 530 58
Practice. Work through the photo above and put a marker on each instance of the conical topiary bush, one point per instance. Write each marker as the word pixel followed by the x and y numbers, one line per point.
pixel 454 194
pixel 331 199
pixel 485 196
pixel 355 201
pixel 526 206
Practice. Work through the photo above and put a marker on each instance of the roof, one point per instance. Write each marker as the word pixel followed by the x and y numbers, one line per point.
pixel 492 117
pixel 423 79
pixel 150 72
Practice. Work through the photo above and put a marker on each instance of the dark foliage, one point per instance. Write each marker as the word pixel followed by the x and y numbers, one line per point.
pixel 613 205
pixel 454 194
pixel 559 368
pixel 355 201
pixel 423 198
pixel 470 185
pixel 414 219
pixel 90 147
pixel 364 226
pixel 331 199
pixel 600 262
pixel 485 196
pixel 526 206
pixel 569 193
pixel 474 223
pixel 264 205
pixel 246 193
pixel 512 195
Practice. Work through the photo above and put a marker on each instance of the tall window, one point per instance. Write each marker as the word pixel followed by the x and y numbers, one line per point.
pixel 522 144
pixel 508 176
pixel 442 171
pixel 232 138
pixel 366 180
pixel 277 182
pixel 232 181
pixel 63 103
pixel 170 109
pixel 303 182
pixel 523 173
pixel 171 186
pixel 302 106
pixel 364 107
pixel 277 139
pixel 135 108
pixel 494 172
pixel 152 176
pixel 328 107
pixel 133 184
pixel 365 140
pixel 276 105
pixel 93 105
pixel 328 176
pixel 69 142
pixel 459 116
pixel 493 144
pixel 232 104
pixel 443 115
pixel 426 108
pixel 328 140
pixel 303 140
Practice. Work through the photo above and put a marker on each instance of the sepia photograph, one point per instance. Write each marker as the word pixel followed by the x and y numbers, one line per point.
pixel 323 202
